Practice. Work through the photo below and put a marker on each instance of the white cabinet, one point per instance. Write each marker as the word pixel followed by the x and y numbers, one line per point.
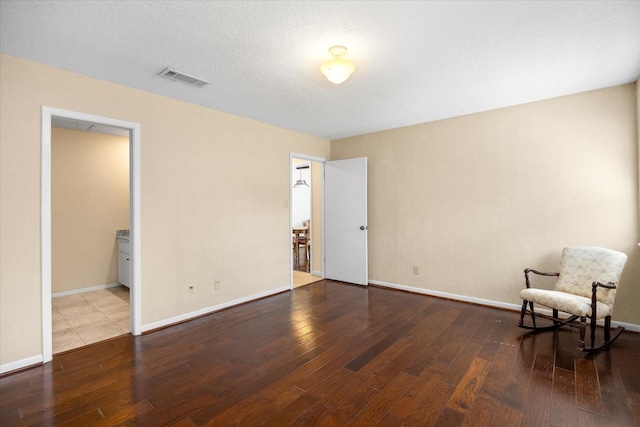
pixel 124 261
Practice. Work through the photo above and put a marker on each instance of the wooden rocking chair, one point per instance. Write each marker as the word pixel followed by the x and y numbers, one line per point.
pixel 585 288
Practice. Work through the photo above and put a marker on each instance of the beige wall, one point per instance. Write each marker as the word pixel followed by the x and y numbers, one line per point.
pixel 90 201
pixel 474 200
pixel 201 219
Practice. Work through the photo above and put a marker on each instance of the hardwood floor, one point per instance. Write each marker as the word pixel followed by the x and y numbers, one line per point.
pixel 300 262
pixel 335 354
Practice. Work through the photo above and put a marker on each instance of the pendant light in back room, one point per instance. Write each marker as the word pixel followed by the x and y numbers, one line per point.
pixel 301 182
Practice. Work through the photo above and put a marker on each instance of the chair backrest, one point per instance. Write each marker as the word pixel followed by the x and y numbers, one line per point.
pixel 582 265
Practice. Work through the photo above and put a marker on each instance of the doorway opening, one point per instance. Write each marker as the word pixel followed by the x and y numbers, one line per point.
pixel 89 211
pixel 306 194
pixel 301 204
pixel 132 131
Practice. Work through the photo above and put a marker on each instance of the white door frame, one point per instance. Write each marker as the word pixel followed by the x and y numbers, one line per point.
pixel 134 218
pixel 310 159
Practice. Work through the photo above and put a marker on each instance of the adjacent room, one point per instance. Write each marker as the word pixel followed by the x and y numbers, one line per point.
pixel 90 221
pixel 443 148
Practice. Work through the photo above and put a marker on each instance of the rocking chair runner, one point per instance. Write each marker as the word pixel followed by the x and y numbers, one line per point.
pixel 586 287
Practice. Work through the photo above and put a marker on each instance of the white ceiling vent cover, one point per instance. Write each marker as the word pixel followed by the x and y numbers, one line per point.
pixel 182 77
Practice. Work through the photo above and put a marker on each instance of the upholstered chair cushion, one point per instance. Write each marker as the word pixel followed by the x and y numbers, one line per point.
pixel 581 266
pixel 568 303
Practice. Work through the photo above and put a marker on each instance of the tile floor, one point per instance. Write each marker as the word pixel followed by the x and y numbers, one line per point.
pixel 301 278
pixel 89 317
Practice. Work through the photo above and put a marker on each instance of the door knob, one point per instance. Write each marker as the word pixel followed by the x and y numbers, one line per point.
pixel 362 227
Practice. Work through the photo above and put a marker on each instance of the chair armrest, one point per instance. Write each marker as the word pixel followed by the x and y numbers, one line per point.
pixel 539 273
pixel 594 298
pixel 596 285
pixel 609 285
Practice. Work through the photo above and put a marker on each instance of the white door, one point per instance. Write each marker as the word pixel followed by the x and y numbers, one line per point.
pixel 346 220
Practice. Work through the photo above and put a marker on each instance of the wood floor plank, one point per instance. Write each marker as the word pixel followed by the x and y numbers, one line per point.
pixel 437 330
pixel 467 388
pixel 563 410
pixel 65 402
pixel 125 414
pixel 591 419
pixel 588 394
pixel 372 352
pixel 171 405
pixel 244 390
pixel 309 382
pixel 494 382
pixel 380 404
pixel 494 342
pixel 537 405
pixel 381 361
pixel 627 363
pixel 318 415
pixel 430 405
pixel 184 422
pixel 428 387
pixel 290 413
pixel 635 413
pixel 252 411
pixel 397 365
pixel 465 357
pixel 449 417
pixel 350 399
pixel 481 411
pixel 512 400
pixel 618 412
pixel 455 340
pixel 567 349
pixel 325 386
pixel 330 353
pixel 617 407
pixel 506 416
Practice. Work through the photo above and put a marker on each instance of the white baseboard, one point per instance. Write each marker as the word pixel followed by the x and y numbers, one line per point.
pixel 481 301
pixel 208 310
pixel 19 364
pixel 83 290
pixel 316 273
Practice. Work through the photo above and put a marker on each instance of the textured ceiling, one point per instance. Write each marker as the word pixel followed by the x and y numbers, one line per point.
pixel 415 61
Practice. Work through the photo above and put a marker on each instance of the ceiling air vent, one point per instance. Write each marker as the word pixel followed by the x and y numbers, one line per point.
pixel 184 78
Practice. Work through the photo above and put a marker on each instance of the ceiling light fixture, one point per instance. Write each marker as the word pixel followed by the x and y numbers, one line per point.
pixel 337 70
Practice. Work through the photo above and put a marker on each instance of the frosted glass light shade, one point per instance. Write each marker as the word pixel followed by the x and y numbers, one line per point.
pixel 337 70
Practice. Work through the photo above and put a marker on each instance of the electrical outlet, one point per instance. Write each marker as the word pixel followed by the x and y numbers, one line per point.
pixel 216 285
pixel 416 269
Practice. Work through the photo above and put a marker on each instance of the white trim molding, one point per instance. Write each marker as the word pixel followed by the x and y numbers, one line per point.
pixel 20 364
pixel 481 301
pixel 208 310
pixel 134 217
pixel 314 263
pixel 83 290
